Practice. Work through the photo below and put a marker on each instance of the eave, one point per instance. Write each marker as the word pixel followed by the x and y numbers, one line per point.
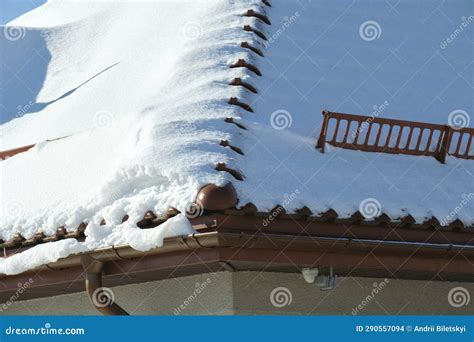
pixel 225 242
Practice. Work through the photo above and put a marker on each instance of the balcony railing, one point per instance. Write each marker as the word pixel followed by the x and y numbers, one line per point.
pixel 373 134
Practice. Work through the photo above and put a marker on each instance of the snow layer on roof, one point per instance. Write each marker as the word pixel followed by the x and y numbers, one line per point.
pixel 320 57
pixel 140 90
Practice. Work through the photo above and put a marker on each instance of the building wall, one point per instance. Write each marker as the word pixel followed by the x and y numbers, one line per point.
pixel 226 293
pixel 359 296
pixel 166 297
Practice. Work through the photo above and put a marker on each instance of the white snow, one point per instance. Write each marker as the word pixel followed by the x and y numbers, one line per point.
pixel 145 239
pixel 317 60
pixel 139 90
pixel 40 255
pixel 96 237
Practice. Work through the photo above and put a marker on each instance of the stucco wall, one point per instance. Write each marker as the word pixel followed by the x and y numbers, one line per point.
pixel 226 293
pixel 194 295
pixel 252 295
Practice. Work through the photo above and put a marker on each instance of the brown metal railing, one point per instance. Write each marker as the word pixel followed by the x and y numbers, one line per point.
pixel 366 133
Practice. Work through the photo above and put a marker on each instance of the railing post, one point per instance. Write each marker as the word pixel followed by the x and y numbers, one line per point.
pixel 324 128
pixel 445 144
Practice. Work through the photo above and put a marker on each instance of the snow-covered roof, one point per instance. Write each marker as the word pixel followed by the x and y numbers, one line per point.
pixel 140 92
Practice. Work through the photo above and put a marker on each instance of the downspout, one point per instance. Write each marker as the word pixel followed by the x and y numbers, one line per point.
pixel 102 298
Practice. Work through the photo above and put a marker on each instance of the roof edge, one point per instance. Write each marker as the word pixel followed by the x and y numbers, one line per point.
pixel 246 251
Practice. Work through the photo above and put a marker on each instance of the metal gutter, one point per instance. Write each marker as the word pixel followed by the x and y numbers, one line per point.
pixel 299 241
pixel 126 252
pixel 241 251
pixel 254 240
pixel 102 299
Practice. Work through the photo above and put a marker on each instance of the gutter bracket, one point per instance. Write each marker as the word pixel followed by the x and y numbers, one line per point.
pixel 227 266
pixel 101 297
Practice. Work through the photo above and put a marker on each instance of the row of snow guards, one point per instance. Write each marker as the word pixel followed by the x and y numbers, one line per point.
pixel 373 134
pixel 261 19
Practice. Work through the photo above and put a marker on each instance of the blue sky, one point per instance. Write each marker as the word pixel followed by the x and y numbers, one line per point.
pixel 10 9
